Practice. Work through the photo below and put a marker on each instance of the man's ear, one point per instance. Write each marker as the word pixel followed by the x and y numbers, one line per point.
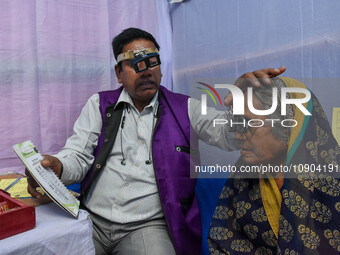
pixel 118 71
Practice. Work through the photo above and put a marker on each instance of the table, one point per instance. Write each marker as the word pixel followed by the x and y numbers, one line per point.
pixel 56 232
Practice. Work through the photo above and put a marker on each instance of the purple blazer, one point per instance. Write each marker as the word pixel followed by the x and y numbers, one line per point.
pixel 171 149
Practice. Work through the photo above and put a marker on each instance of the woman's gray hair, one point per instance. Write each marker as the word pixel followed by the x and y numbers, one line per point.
pixel 265 95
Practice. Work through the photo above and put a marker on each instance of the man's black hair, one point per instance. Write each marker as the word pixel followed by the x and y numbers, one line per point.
pixel 129 35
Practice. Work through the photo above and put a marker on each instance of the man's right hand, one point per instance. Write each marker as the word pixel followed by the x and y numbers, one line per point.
pixel 48 161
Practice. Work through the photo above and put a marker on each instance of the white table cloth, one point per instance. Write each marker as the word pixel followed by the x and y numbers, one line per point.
pixel 56 232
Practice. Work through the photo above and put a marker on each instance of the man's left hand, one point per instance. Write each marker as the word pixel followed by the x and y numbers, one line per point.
pixel 255 79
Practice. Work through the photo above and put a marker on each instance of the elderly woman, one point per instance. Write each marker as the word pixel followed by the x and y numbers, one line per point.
pixel 281 213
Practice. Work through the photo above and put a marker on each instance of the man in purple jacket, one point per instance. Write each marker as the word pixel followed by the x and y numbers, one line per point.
pixel 131 152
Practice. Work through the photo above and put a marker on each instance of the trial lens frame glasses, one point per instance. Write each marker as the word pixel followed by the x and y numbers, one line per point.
pixel 145 62
pixel 241 125
pixel 141 59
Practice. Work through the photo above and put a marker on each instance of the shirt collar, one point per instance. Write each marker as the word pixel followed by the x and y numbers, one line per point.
pixel 125 98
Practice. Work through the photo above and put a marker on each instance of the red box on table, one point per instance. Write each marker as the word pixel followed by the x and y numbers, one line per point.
pixel 18 218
